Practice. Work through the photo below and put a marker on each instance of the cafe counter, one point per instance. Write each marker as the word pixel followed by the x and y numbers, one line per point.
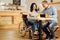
pixel 10 18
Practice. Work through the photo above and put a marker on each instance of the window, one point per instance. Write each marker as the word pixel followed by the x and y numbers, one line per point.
pixel 17 2
pixel 51 0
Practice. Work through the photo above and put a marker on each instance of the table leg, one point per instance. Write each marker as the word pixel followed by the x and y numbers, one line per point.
pixel 12 19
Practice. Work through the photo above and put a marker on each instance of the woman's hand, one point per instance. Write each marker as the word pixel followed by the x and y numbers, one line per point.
pixel 37 19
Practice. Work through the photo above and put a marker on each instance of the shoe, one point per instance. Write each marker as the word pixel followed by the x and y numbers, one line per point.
pixel 51 39
pixel 47 39
pixel 35 33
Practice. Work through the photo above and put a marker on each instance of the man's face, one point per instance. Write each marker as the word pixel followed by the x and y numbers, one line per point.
pixel 44 4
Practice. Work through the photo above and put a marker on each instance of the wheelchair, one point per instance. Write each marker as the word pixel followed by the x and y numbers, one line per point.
pixel 25 27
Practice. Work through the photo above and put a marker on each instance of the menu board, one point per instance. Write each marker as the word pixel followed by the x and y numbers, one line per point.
pixel 24 4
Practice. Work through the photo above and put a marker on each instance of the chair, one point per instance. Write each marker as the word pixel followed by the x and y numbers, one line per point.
pixel 55 30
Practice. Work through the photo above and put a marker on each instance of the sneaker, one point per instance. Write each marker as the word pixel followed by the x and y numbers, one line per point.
pixel 51 39
pixel 35 32
pixel 47 39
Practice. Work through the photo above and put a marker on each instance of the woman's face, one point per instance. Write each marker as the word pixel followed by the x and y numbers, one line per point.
pixel 34 7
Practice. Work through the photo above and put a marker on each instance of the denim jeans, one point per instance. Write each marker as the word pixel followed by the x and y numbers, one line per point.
pixel 34 24
pixel 51 26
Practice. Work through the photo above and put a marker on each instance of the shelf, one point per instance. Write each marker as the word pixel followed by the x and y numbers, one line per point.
pixel 54 3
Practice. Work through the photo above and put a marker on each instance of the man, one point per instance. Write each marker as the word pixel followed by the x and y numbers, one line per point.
pixel 51 11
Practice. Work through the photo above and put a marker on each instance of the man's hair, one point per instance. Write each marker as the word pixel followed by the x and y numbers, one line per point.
pixel 45 1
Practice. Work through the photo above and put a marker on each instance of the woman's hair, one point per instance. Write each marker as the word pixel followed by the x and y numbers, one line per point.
pixel 31 7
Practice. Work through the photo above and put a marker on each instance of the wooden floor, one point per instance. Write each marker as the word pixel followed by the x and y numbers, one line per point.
pixel 10 35
pixel 13 35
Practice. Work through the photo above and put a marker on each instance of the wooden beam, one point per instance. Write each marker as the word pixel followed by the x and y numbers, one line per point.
pixel 54 3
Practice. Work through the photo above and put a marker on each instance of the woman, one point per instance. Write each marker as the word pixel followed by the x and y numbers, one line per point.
pixel 32 15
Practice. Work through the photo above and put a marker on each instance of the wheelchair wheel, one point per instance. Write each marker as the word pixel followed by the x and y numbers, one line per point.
pixel 22 28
